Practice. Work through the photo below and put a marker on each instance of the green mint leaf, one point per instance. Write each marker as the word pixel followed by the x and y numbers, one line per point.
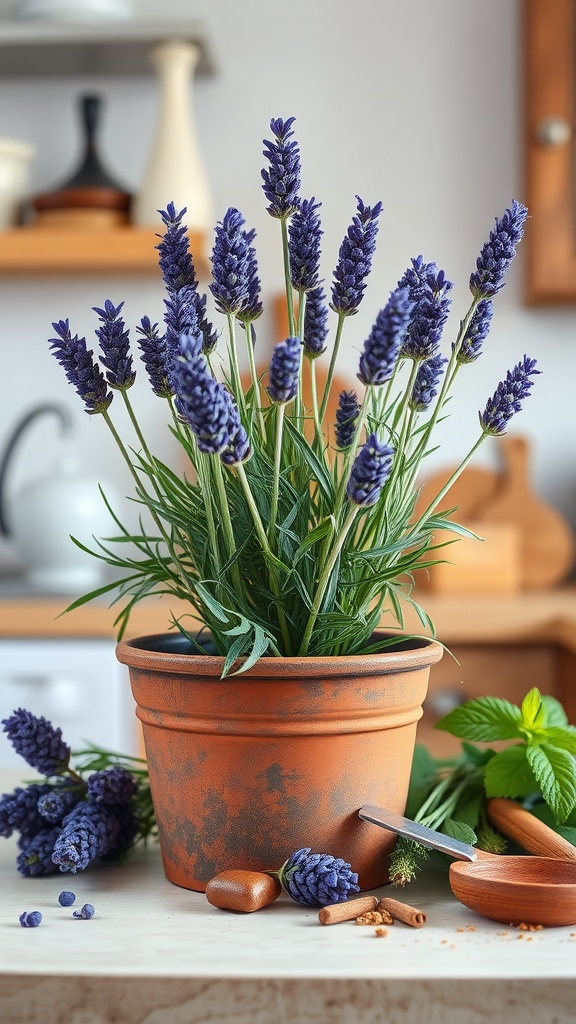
pixel 555 714
pixel 509 773
pixel 555 773
pixel 484 720
pixel 459 830
pixel 565 737
pixel 468 808
pixel 533 711
pixel 476 755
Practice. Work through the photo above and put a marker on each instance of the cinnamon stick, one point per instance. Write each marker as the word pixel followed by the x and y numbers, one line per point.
pixel 403 912
pixel 347 911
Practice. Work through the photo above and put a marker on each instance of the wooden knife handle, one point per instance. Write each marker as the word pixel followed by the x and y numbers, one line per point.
pixel 533 835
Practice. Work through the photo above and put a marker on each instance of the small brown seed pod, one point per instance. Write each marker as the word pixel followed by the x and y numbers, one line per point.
pixel 243 891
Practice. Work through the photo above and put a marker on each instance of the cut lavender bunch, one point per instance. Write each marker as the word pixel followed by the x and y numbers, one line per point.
pixel 35 857
pixel 19 810
pixel 87 833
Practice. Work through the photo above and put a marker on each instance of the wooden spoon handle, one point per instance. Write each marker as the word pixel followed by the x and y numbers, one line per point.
pixel 533 835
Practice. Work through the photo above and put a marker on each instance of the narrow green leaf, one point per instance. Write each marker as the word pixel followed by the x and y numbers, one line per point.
pixel 508 773
pixel 555 773
pixel 483 720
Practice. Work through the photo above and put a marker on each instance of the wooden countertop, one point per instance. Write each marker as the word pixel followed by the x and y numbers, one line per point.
pixel 156 952
pixel 547 616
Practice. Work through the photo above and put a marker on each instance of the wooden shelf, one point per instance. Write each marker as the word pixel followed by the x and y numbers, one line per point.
pixel 114 250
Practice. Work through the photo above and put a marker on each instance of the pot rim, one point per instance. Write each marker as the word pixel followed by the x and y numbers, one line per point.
pixel 137 653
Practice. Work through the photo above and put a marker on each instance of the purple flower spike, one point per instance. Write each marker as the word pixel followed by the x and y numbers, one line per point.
pixel 202 400
pixel 317 879
pixel 508 397
pixel 54 805
pixel 498 252
pixel 236 286
pixel 36 856
pixel 81 369
pixel 111 786
pixel 238 448
pixel 115 346
pixel 282 178
pixel 19 810
pixel 185 306
pixel 471 347
pixel 315 323
pixel 369 473
pixel 155 357
pixel 37 741
pixel 346 417
pixel 284 370
pixel 382 347
pixel 305 234
pixel 425 385
pixel 355 259
pixel 87 833
pixel 428 291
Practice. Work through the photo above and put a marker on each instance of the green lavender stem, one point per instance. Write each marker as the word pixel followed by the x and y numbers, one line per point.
pixel 332 367
pixel 325 579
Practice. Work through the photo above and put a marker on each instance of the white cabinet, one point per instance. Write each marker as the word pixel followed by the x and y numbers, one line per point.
pixel 77 684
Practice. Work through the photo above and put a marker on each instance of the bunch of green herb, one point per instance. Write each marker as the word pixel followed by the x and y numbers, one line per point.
pixel 451 797
pixel 281 541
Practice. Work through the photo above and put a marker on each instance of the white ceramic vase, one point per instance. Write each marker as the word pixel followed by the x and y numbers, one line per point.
pixel 175 172
pixel 16 157
pixel 74 11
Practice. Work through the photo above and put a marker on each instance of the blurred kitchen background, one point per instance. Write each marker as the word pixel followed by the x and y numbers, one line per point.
pixel 418 104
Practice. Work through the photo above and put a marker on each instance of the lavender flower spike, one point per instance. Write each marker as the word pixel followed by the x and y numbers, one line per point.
pixel 498 252
pixel 155 357
pixel 111 786
pixel 383 344
pixel 369 473
pixel 284 371
pixel 185 306
pixel 355 259
pixel 317 879
pixel 305 233
pixel 175 260
pixel 81 369
pixel 35 857
pixel 346 417
pixel 315 323
pixel 238 448
pixel 282 179
pixel 115 346
pixel 37 741
pixel 426 383
pixel 235 286
pixel 19 810
pixel 508 396
pixel 201 399
pixel 471 347
pixel 429 290
pixel 87 833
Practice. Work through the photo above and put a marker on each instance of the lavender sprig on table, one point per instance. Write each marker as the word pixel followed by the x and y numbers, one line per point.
pixel 317 879
pixel 99 808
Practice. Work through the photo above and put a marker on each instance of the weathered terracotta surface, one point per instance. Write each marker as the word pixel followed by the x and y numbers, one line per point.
pixel 246 770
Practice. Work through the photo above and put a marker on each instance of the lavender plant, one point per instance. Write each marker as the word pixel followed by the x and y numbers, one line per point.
pixel 281 543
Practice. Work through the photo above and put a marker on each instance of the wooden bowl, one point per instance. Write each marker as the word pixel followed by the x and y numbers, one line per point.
pixel 533 890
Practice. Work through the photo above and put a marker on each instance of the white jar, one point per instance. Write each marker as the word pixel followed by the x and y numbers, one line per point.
pixel 16 157
pixel 175 172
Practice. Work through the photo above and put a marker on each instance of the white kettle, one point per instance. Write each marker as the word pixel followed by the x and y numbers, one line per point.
pixel 45 513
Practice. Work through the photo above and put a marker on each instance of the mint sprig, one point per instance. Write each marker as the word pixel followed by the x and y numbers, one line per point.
pixel 539 769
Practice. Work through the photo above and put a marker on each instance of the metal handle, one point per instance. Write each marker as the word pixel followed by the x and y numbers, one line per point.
pixel 419 833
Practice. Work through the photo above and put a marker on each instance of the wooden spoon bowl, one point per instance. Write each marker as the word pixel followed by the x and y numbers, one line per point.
pixel 512 890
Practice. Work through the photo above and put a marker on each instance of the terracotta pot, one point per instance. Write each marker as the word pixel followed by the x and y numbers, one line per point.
pixel 246 770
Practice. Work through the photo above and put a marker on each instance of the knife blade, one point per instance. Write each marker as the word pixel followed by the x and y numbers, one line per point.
pixel 419 833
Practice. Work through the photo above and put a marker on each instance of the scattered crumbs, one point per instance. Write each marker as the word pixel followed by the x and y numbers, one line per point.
pixel 460 929
pixel 572 935
pixel 444 941
pixel 521 936
pixel 502 933
pixel 381 932
pixel 470 928
pixel 375 917
pixel 529 938
pixel 453 945
pixel 523 927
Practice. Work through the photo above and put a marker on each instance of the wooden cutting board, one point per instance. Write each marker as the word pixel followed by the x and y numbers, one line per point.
pixel 547 543
pixel 472 489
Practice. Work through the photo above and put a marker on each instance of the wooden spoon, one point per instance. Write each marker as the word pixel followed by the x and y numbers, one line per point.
pixel 512 890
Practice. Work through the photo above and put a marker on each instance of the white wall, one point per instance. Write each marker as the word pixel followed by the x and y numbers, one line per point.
pixel 415 102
